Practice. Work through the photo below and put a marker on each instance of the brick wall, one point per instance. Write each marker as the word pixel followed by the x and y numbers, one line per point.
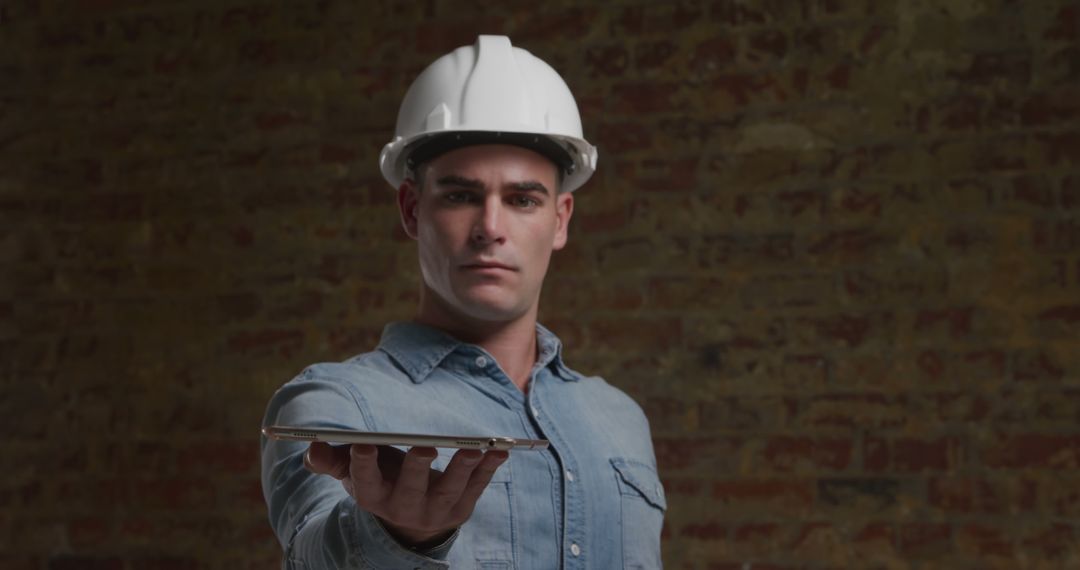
pixel 833 249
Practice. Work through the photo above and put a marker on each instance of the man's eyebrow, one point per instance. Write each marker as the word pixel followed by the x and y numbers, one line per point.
pixel 461 181
pixel 529 186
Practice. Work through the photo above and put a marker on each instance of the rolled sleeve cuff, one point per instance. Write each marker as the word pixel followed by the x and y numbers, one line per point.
pixel 383 551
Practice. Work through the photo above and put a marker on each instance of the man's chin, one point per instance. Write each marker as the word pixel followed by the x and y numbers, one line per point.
pixel 484 308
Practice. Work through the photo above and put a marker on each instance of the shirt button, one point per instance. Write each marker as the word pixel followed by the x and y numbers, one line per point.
pixel 569 475
pixel 481 362
pixel 535 411
pixel 575 549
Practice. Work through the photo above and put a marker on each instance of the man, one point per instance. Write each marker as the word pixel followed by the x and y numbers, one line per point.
pixel 487 153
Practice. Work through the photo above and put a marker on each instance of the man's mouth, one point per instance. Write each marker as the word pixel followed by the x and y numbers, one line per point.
pixel 487 265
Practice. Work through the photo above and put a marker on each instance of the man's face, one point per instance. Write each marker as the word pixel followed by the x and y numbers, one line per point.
pixel 486 222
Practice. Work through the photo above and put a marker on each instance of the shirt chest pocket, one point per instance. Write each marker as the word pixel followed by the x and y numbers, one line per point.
pixel 487 540
pixel 642 500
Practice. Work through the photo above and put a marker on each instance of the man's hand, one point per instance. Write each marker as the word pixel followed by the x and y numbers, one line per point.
pixel 418 505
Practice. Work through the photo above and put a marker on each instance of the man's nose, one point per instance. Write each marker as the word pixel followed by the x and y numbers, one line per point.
pixel 488 227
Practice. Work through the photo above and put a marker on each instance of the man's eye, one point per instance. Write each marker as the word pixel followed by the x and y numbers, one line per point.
pixel 459 197
pixel 524 201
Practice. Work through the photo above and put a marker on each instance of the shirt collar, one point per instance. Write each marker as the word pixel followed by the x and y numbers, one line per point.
pixel 418 349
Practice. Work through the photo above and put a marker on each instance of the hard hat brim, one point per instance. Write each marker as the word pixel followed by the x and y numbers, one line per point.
pixel 431 146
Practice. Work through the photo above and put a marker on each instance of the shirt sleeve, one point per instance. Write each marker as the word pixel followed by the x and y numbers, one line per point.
pixel 318 524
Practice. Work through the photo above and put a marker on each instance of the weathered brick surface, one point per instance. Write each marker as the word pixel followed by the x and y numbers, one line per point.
pixel 833 249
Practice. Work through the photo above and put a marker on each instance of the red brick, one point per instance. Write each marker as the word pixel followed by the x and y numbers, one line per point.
pixel 1065 24
pixel 982 495
pixel 740 413
pixel 858 494
pixel 12 561
pixel 1033 451
pixel 349 340
pixel 643 98
pixel 1069 195
pixel 690 453
pixel 668 175
pixel 764 45
pixel 1060 149
pixel 719 250
pixel 924 539
pixel 915 455
pixel 742 13
pixel 239 306
pixel 876 532
pixel 987 68
pixel 303 304
pixel 714 54
pixel 556 24
pixel 747 89
pixel 806 370
pixel 607 60
pixel 805 454
pixel 283 341
pixel 984 542
pixel 85 532
pixel 663 18
pixel 758 537
pixel 763 495
pixel 76 562
pixel 654 55
pixel 792 204
pixel 683 487
pixel 1055 235
pixel 851 331
pixel 1053 541
pixel 848 243
pixel 958 407
pixel 954 322
pixel 624 137
pixel 173 494
pixel 1036 366
pixel 166 563
pixel 1061 313
pixel 710 531
pixel 90 492
pixel 219 457
pixel 742 566
pixel 852 410
pixel 436 37
pixel 818 540
pixel 624 335
pixel 1062 496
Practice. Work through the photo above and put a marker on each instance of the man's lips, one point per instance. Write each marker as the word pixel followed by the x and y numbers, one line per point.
pixel 487 265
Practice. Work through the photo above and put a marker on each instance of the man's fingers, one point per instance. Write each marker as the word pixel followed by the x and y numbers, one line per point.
pixel 479 480
pixel 325 459
pixel 390 459
pixel 366 483
pixel 412 481
pixel 446 491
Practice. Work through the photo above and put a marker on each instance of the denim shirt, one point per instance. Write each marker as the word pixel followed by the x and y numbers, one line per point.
pixel 592 500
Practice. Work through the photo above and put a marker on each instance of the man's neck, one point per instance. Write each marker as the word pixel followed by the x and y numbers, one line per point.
pixel 512 343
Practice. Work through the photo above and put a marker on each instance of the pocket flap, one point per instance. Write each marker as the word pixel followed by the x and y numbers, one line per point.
pixel 640 479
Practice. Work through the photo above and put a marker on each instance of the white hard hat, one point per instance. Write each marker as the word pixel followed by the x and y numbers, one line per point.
pixel 489 93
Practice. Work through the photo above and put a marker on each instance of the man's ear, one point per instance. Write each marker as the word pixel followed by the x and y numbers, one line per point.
pixel 564 208
pixel 408 199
